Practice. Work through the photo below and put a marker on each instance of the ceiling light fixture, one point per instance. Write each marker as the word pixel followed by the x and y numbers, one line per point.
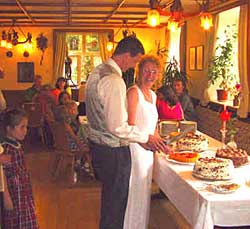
pixel 205 17
pixel 176 19
pixel 11 37
pixel 176 15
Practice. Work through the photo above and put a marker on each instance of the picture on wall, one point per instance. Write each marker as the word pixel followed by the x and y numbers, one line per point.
pixel 199 57
pixel 192 56
pixel 92 43
pixel 25 72
pixel 74 42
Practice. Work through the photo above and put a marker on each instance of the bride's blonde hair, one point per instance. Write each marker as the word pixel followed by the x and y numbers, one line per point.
pixel 146 59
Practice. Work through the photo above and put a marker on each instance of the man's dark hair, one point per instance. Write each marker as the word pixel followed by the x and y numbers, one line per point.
pixel 183 83
pixel 131 45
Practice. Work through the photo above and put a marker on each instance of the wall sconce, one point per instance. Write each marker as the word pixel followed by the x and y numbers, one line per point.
pixel 11 37
pixel 110 44
pixel 126 33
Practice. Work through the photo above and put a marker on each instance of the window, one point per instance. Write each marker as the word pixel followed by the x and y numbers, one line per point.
pixel 230 18
pixel 84 52
pixel 174 45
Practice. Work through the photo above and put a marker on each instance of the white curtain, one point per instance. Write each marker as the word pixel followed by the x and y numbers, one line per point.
pixel 60 52
pixel 209 51
pixel 243 65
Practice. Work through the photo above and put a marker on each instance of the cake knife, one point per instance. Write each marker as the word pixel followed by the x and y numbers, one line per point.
pixel 179 136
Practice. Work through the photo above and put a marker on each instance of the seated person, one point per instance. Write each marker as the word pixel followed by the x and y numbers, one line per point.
pixel 60 86
pixel 65 115
pixel 168 106
pixel 30 93
pixel 63 98
pixel 185 100
pixel 81 99
pixel 47 102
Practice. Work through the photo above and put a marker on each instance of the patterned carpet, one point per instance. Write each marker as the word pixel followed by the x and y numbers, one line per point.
pixel 210 123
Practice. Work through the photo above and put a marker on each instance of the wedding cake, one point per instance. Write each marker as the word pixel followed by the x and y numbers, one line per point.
pixel 195 142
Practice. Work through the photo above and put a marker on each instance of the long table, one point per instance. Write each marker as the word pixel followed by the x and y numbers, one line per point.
pixel 201 207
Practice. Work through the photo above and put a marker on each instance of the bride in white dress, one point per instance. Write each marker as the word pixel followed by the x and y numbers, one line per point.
pixel 142 112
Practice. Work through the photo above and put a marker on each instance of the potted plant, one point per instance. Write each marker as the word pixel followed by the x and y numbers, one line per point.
pixel 172 73
pixel 220 67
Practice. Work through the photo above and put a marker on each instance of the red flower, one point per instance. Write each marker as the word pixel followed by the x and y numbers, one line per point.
pixel 238 86
pixel 225 115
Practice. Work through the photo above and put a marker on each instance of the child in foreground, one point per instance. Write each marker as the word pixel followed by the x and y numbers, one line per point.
pixel 19 208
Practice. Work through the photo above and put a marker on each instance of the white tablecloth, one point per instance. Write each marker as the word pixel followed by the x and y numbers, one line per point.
pixel 201 207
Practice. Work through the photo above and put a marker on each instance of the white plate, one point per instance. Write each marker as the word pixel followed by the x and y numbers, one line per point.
pixel 179 162
pixel 209 179
pixel 222 187
pixel 207 153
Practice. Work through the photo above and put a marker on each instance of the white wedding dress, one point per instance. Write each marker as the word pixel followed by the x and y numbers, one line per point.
pixel 138 207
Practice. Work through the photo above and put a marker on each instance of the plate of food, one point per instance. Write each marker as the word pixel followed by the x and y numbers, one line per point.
pixel 183 157
pixel 225 187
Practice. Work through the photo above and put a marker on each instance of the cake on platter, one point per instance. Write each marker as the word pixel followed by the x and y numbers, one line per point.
pixel 238 156
pixel 187 156
pixel 191 141
pixel 213 168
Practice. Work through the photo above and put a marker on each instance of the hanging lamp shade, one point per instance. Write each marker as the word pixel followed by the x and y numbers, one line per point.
pixel 206 20
pixel 153 17
pixel 173 25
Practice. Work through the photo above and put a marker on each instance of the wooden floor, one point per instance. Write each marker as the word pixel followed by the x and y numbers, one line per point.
pixel 62 207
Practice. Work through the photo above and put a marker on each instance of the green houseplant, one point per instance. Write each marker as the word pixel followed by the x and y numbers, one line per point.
pixel 172 73
pixel 220 67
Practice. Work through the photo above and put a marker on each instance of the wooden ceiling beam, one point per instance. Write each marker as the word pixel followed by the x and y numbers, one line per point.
pixel 119 4
pixel 92 5
pixel 72 12
pixel 73 17
pixel 68 9
pixel 217 8
pixel 24 11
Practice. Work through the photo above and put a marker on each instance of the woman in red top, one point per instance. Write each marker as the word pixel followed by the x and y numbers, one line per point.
pixel 61 85
pixel 19 208
pixel 168 106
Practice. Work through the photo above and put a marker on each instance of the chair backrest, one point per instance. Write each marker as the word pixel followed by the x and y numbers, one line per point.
pixel 60 137
pixel 34 113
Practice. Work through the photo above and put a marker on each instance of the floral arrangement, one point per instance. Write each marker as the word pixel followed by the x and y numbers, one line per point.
pixel 225 115
pixel 236 91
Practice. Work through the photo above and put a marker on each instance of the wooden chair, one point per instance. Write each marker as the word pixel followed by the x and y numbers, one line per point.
pixel 64 157
pixel 35 117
